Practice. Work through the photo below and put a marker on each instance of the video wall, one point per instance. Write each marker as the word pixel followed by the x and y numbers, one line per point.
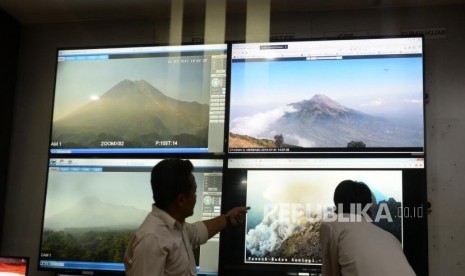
pixel 274 126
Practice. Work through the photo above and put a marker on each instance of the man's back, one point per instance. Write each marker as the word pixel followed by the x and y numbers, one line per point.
pixel 361 248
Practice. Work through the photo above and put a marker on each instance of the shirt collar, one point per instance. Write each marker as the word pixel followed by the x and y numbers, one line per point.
pixel 165 217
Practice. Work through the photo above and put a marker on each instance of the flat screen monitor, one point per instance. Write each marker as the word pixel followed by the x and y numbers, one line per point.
pixel 355 95
pixel 160 99
pixel 14 265
pixel 289 198
pixel 94 206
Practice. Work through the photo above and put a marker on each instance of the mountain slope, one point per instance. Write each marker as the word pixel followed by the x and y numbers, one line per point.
pixel 138 114
pixel 324 123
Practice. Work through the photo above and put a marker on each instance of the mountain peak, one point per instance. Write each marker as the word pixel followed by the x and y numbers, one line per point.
pixel 124 83
pixel 321 103
pixel 131 82
pixel 129 87
pixel 136 112
pixel 321 98
pixel 324 100
pixel 90 201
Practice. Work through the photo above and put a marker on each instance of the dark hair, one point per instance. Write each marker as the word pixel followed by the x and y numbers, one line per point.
pixel 170 177
pixel 352 192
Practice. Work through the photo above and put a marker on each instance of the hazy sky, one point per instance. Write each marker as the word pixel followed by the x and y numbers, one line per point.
pixel 78 82
pixel 133 189
pixel 66 189
pixel 375 86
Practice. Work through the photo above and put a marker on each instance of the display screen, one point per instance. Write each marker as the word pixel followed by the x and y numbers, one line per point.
pixel 289 198
pixel 94 206
pixel 14 266
pixel 357 95
pixel 165 99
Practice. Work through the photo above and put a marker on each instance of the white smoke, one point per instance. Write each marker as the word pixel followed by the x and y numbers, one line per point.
pixel 298 140
pixel 268 236
pixel 257 124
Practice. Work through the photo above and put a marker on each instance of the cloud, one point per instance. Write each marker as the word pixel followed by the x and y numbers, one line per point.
pixel 377 102
pixel 412 101
pixel 257 124
pixel 300 141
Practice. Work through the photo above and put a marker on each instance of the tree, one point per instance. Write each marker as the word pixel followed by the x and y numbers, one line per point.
pixel 356 144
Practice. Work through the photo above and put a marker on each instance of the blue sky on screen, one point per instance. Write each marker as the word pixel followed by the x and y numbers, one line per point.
pixel 377 86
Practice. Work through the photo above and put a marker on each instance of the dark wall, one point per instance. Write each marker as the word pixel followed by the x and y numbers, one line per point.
pixel 9 37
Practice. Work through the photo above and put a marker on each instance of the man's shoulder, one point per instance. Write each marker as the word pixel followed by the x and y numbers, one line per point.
pixel 153 225
pixel 347 226
pixel 383 233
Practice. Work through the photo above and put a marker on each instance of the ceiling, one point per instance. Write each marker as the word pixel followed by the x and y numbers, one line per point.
pixel 59 11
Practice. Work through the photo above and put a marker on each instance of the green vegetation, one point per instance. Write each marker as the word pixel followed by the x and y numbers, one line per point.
pixel 101 245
